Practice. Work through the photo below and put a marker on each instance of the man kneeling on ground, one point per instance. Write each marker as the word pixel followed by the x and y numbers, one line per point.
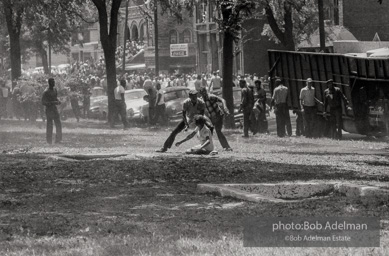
pixel 191 107
pixel 204 135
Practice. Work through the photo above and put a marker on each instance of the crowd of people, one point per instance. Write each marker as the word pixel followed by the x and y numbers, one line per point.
pixel 74 88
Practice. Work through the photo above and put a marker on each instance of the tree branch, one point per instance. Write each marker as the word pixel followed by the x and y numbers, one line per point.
pixel 273 23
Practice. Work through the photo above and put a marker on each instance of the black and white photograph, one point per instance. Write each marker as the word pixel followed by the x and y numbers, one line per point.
pixel 194 127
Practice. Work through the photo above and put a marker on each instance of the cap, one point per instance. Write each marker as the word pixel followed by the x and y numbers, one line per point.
pixel 192 92
pixel 309 80
pixel 330 81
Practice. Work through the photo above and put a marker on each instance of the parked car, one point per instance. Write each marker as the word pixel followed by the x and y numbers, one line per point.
pixel 174 98
pixel 99 107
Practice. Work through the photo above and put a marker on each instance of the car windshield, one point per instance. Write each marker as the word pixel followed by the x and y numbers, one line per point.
pixel 172 95
pixel 135 95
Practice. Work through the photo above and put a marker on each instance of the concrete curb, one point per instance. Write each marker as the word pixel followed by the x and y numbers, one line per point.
pixel 297 192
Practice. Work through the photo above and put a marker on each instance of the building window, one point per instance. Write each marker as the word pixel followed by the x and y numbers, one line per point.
pixel 173 37
pixel 187 36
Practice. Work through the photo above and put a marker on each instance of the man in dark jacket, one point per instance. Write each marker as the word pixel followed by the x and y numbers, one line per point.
pixel 50 100
pixel 246 106
pixel 333 98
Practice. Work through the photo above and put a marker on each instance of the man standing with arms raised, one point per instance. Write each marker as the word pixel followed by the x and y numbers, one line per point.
pixel 50 101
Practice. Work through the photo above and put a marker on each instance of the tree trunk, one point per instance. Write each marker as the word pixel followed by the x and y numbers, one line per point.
pixel 228 53
pixel 42 52
pixel 286 35
pixel 16 56
pixel 288 25
pixel 108 37
pixel 110 61
pixel 14 24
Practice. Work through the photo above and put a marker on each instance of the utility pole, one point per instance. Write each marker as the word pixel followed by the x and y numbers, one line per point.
pixel 321 26
pixel 49 43
pixel 156 37
pixel 125 39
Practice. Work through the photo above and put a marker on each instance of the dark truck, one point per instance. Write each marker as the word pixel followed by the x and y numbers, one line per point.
pixel 363 80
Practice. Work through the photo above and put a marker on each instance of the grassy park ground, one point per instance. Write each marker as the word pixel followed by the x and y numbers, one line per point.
pixel 144 203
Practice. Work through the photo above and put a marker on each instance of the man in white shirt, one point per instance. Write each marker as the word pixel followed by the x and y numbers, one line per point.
pixel 204 135
pixel 308 102
pixel 215 83
pixel 120 104
pixel 152 92
pixel 191 107
pixel 160 106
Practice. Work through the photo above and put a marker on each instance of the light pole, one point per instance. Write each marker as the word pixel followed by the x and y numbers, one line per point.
pixel 321 26
pixel 125 39
pixel 156 37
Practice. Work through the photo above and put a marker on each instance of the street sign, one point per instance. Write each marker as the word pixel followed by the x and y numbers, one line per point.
pixel 179 50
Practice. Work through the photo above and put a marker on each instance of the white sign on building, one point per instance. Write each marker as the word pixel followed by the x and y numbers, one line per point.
pixel 179 50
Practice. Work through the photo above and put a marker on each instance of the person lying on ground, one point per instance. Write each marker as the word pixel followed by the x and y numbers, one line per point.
pixel 204 135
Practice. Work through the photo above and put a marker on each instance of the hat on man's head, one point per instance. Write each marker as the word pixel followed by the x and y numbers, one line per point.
pixel 309 80
pixel 330 81
pixel 192 92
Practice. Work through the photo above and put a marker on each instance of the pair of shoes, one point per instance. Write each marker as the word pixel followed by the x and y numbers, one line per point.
pixel 245 136
pixel 227 149
pixel 161 150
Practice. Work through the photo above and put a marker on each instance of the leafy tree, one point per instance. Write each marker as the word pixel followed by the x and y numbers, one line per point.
pixel 289 21
pixel 53 22
pixel 232 14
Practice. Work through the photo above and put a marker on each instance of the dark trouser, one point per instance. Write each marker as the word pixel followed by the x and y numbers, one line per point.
pixel 283 119
pixel 246 121
pixel 309 120
pixel 3 107
pixel 86 106
pixel 160 111
pixel 336 122
pixel 170 140
pixel 120 108
pixel 53 115
pixel 299 124
pixel 151 111
pixel 218 123
pixel 76 109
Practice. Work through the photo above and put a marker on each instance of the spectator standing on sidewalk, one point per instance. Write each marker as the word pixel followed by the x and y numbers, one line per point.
pixel 50 101
pixel 308 102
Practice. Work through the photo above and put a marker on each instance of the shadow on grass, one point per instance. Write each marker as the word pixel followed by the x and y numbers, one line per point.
pixel 149 196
